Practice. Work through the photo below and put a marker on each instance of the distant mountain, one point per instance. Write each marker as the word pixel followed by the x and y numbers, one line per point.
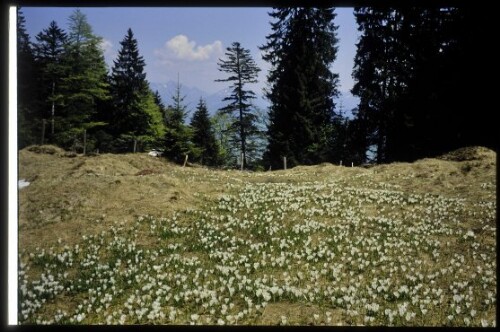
pixel 193 94
pixel 168 90
pixel 346 100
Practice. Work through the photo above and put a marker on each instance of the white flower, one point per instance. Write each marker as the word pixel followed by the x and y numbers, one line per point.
pixel 410 316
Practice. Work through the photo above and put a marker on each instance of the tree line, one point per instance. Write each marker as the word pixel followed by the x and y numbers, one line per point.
pixel 410 74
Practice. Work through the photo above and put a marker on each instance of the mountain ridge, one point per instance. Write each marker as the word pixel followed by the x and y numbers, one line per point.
pixel 346 101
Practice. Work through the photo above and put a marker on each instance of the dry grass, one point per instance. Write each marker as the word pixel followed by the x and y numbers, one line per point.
pixel 67 193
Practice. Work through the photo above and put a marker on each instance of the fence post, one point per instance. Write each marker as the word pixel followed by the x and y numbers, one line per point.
pixel 241 161
pixel 135 145
pixel 341 163
pixel 284 163
pixel 352 164
pixel 185 161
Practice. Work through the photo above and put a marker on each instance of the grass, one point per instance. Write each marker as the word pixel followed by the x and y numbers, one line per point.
pixel 130 239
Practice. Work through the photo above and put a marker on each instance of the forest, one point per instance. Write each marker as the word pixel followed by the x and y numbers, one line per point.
pixel 415 69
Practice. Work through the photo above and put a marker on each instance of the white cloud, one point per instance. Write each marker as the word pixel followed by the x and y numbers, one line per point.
pixel 108 50
pixel 181 48
pixel 107 47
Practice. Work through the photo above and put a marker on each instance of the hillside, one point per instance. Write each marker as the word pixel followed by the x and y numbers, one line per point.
pixel 325 244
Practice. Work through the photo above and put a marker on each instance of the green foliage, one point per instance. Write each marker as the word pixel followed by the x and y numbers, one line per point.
pixel 203 137
pixel 177 138
pixel 242 70
pixel 300 49
pixel 85 84
pixel 29 125
pixel 410 66
pixel 50 51
pixel 222 125
pixel 135 114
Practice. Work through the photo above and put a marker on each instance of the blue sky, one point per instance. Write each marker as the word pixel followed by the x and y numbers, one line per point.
pixel 189 41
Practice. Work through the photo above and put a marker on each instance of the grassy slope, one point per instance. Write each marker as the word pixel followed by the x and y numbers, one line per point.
pixel 73 197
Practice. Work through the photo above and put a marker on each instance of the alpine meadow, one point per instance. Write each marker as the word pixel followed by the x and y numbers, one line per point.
pixel 135 210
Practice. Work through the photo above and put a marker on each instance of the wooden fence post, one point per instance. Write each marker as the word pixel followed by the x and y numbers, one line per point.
pixel 341 163
pixel 135 145
pixel 241 161
pixel 284 163
pixel 185 161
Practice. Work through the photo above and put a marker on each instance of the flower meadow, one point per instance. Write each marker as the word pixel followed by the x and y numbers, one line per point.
pixel 277 249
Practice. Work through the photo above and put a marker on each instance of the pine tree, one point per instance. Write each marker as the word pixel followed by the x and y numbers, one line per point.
pixel 177 138
pixel 84 86
pixel 300 50
pixel 29 121
pixel 159 102
pixel 49 52
pixel 135 113
pixel 223 130
pixel 410 66
pixel 203 136
pixel 242 70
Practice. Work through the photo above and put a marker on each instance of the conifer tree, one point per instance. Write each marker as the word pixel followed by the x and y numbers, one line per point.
pixel 159 102
pixel 242 70
pixel 177 138
pixel 203 136
pixel 222 124
pixel 84 86
pixel 29 120
pixel 300 50
pixel 136 116
pixel 49 52
pixel 410 66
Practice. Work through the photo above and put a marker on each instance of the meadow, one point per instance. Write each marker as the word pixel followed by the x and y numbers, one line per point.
pixel 131 239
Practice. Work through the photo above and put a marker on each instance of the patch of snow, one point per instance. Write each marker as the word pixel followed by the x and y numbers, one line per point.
pixel 22 183
pixel 154 153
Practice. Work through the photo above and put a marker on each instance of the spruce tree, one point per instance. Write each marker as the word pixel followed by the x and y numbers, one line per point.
pixel 222 124
pixel 49 51
pixel 177 138
pixel 29 119
pixel 203 136
pixel 84 87
pixel 242 70
pixel 300 50
pixel 410 66
pixel 159 103
pixel 136 116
